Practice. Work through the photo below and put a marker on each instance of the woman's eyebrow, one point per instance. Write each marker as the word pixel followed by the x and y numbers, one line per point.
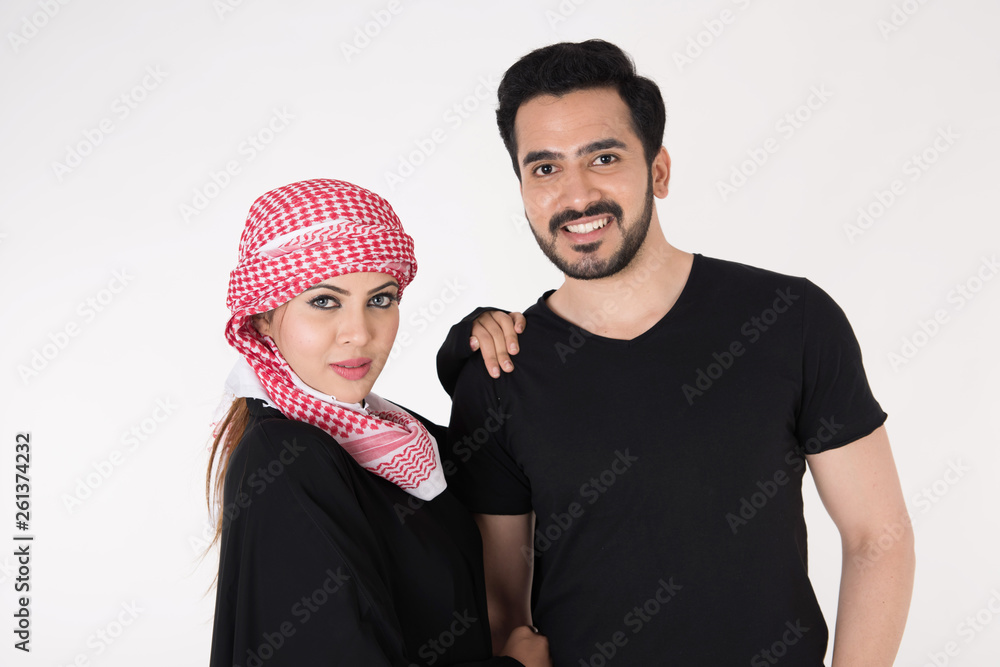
pixel 332 288
pixel 340 290
pixel 391 283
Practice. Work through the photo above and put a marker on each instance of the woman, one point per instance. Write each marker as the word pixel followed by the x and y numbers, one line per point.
pixel 340 544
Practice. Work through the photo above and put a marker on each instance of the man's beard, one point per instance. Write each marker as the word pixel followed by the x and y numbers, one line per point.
pixel 590 268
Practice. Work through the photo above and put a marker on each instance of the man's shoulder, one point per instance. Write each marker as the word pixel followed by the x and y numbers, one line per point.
pixel 538 308
pixel 719 281
pixel 724 269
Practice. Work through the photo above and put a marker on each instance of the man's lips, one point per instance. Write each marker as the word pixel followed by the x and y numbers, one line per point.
pixel 589 229
pixel 352 369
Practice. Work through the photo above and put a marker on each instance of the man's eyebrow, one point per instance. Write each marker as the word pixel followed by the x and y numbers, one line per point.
pixel 592 147
pixel 600 145
pixel 538 156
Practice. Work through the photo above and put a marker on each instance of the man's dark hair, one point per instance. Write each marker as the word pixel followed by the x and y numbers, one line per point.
pixel 562 68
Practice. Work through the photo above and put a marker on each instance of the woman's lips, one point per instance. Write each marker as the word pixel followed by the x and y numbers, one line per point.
pixel 352 369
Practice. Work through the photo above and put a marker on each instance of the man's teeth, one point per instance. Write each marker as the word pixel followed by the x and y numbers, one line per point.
pixel 587 226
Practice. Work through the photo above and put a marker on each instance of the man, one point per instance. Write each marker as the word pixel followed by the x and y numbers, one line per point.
pixel 662 414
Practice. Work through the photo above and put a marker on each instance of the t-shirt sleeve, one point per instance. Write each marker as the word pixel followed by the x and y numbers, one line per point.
pixel 455 350
pixel 837 406
pixel 300 577
pixel 487 477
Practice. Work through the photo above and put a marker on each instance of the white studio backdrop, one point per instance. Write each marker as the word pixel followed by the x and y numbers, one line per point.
pixel 854 143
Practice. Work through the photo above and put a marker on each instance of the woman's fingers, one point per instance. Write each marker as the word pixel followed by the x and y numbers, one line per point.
pixel 494 333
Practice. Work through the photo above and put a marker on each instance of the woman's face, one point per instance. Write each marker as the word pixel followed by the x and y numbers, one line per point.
pixel 337 335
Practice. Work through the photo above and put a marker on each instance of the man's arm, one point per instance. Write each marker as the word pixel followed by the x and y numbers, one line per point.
pixel 508 560
pixel 859 487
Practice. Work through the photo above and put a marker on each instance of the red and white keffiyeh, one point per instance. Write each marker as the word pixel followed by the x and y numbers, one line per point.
pixel 295 237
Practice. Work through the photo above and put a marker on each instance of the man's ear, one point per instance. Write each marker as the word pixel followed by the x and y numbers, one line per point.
pixel 660 170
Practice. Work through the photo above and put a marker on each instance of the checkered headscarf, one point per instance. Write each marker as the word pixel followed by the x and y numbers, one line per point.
pixel 296 236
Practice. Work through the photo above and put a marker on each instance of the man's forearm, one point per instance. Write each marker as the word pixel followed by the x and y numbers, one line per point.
pixel 507 560
pixel 875 589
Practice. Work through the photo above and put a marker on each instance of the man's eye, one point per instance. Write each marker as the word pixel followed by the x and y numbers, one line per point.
pixel 544 170
pixel 605 159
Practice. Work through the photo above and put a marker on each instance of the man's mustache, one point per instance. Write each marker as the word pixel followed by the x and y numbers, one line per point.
pixel 603 207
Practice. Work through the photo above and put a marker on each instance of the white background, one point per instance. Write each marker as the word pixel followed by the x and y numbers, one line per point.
pixel 138 535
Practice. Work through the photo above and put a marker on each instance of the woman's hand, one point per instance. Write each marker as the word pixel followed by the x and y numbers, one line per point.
pixel 495 333
pixel 528 647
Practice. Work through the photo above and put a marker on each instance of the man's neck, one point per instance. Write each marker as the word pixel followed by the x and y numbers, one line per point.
pixel 628 303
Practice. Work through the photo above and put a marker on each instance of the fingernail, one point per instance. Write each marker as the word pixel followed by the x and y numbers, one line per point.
pixel 474 343
pixel 507 366
pixel 495 372
pixel 513 348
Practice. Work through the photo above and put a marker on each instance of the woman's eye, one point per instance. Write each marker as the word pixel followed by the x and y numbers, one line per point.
pixel 324 302
pixel 382 300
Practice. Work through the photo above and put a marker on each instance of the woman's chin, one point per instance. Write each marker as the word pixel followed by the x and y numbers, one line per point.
pixel 355 393
pixel 343 389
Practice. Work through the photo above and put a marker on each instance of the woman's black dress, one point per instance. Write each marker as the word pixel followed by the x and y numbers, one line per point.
pixel 325 563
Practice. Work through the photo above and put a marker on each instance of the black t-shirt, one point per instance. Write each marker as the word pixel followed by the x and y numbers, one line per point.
pixel 665 471
pixel 324 563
